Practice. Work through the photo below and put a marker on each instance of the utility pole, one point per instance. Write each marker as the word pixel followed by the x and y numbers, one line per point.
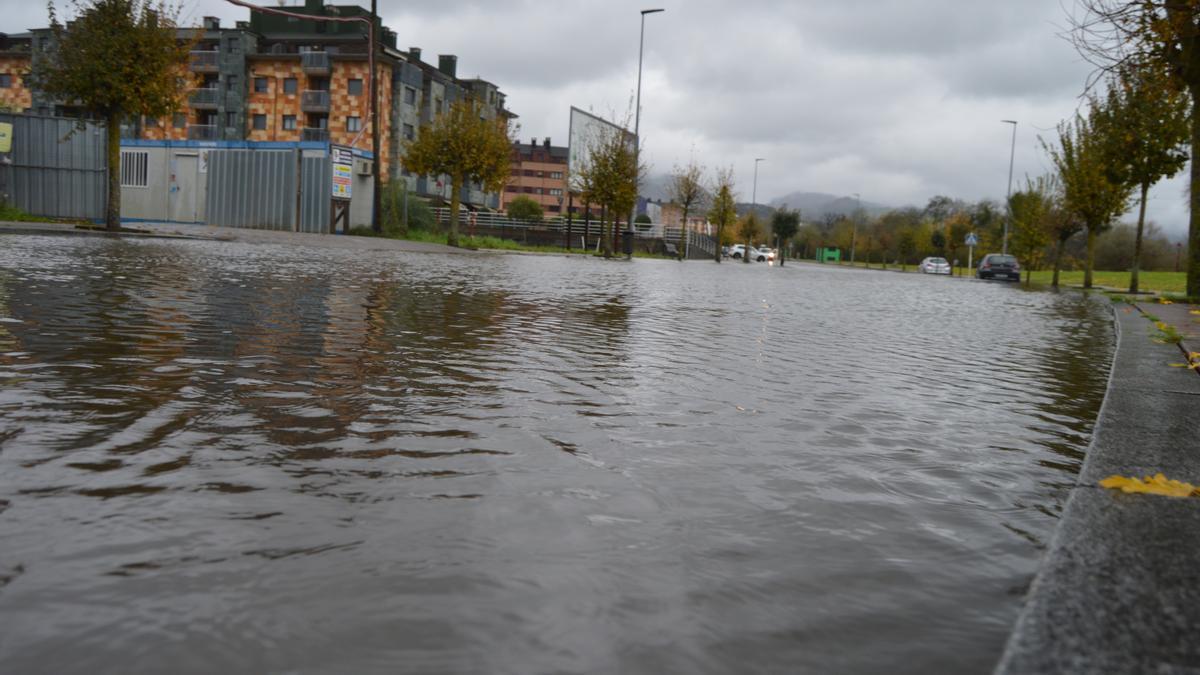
pixel 1008 195
pixel 854 228
pixel 753 207
pixel 637 123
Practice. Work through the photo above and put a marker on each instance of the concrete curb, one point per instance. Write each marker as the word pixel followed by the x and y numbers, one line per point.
pixel 1118 589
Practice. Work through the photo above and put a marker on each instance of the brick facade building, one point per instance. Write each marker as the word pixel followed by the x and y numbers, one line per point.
pixel 539 171
pixel 279 79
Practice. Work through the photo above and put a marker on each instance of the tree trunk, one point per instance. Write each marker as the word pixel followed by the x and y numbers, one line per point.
pixel 1058 250
pixel 682 245
pixel 782 246
pixel 456 182
pixel 112 211
pixel 606 232
pixel 1137 244
pixel 1091 257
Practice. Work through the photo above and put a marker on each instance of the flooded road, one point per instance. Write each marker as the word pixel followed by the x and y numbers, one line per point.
pixel 238 458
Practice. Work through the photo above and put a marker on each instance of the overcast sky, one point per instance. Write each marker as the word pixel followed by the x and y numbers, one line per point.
pixel 897 101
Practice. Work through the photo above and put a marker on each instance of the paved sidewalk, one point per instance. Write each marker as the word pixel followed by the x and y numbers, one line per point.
pixel 173 230
pixel 1119 586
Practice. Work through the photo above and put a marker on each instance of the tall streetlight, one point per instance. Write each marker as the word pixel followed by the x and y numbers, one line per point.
pixel 854 229
pixel 637 121
pixel 753 206
pixel 1008 195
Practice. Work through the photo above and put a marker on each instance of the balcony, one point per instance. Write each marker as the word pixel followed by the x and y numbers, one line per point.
pixel 314 101
pixel 205 98
pixel 205 61
pixel 317 135
pixel 202 132
pixel 315 63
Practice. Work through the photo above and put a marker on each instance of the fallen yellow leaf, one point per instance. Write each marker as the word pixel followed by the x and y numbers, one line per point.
pixel 1164 301
pixel 1195 311
pixel 1180 365
pixel 1156 485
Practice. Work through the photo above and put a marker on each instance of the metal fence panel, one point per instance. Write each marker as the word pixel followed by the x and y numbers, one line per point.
pixel 316 177
pixel 253 189
pixel 57 170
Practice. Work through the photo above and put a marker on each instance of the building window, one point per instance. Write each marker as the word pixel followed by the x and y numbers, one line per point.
pixel 6 80
pixel 231 82
pixel 289 122
pixel 354 87
pixel 529 172
pixel 135 168
pixel 353 124
pixel 260 85
pixel 289 85
pixel 528 190
pixel 409 132
pixel 410 96
pixel 151 122
pixel 554 192
pixel 512 188
pixel 231 119
pixel 556 175
pixel 260 122
pixel 179 120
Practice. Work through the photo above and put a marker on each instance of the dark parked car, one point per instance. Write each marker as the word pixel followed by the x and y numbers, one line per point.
pixel 999 266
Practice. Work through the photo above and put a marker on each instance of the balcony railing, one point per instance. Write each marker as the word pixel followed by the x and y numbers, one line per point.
pixel 314 101
pixel 205 61
pixel 205 97
pixel 317 135
pixel 315 63
pixel 202 132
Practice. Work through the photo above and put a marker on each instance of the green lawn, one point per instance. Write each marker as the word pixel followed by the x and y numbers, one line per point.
pixel 1163 282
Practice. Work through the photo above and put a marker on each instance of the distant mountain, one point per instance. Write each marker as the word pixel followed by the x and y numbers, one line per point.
pixel 814 205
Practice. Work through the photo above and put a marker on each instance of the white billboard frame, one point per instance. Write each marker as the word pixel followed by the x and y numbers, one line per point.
pixel 583 128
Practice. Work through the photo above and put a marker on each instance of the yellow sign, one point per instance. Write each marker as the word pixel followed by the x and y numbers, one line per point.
pixel 5 137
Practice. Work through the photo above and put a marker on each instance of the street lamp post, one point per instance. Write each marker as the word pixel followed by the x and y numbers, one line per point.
pixel 637 120
pixel 753 206
pixel 854 229
pixel 1008 195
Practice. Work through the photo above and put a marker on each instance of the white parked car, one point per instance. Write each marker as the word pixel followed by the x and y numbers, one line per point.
pixel 934 266
pixel 755 254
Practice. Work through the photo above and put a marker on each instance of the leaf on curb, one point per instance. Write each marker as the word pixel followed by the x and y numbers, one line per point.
pixel 1164 301
pixel 1153 485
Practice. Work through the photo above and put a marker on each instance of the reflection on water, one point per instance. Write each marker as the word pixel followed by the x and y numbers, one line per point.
pixel 245 458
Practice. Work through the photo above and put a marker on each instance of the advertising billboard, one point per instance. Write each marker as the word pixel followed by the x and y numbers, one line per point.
pixel 585 129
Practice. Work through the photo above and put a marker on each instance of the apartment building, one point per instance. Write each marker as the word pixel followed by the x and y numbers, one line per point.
pixel 539 171
pixel 284 79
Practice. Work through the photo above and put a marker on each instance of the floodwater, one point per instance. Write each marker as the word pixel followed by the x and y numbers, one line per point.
pixel 250 458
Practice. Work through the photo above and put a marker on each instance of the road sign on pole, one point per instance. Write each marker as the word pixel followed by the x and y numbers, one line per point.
pixel 972 242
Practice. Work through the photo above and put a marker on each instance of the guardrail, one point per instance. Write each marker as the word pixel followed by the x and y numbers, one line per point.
pixel 314 100
pixel 314 134
pixel 205 60
pixel 555 229
pixel 205 97
pixel 202 132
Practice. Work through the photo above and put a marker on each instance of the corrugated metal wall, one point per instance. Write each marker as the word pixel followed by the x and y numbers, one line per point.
pixel 314 207
pixel 54 172
pixel 256 189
